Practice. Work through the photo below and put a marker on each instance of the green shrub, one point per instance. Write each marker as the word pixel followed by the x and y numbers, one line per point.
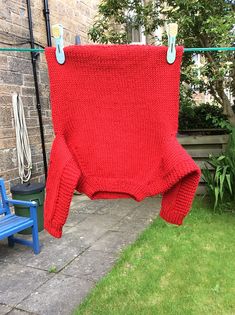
pixel 202 116
pixel 220 180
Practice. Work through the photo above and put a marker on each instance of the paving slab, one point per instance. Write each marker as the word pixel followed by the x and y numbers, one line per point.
pixel 92 265
pixel 17 282
pixel 118 207
pixel 88 206
pixel 59 295
pixel 54 252
pixel 92 228
pixel 4 309
pixel 20 312
pixel 148 208
pixel 113 242
pixel 75 218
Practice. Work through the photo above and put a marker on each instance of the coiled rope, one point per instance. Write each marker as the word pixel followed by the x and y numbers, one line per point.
pixel 22 139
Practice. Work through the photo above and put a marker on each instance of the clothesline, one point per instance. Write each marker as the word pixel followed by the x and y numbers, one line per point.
pixel 197 49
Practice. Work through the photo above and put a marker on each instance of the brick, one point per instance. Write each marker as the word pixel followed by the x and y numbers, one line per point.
pixel 44 77
pixel 5 12
pixel 26 91
pixel 20 65
pixel 6 117
pixel 5 100
pixel 9 89
pixel 7 133
pixel 28 80
pixel 11 78
pixel 8 159
pixel 28 101
pixel 7 143
pixel 3 62
pixel 19 19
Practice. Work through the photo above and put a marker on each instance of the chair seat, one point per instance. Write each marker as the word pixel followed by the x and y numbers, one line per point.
pixel 12 222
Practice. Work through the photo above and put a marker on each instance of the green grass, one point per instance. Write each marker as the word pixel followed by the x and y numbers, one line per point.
pixel 173 270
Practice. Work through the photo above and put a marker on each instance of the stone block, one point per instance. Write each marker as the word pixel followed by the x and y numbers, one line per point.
pixel 20 65
pixel 27 91
pixel 9 89
pixel 60 295
pixel 113 242
pixel 7 77
pixel 28 80
pixel 4 309
pixel 5 100
pixel 22 281
pixel 92 265
pixel 8 159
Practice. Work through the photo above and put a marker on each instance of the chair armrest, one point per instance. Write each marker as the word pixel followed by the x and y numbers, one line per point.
pixel 32 205
pixel 22 203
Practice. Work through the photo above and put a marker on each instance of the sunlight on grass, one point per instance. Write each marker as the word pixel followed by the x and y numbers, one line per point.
pixel 173 270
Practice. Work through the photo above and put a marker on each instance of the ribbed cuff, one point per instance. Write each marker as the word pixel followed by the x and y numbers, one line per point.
pixel 68 183
pixel 172 217
pixel 54 230
pixel 177 200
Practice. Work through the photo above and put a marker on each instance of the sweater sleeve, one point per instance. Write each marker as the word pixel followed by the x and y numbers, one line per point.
pixel 63 176
pixel 181 176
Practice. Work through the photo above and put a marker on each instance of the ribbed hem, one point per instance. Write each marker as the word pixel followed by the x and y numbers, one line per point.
pixel 92 185
pixel 54 230
pixel 68 183
pixel 172 217
pixel 177 200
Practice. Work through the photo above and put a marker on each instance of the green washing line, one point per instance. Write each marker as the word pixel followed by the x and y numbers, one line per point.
pixel 202 49
pixel 22 49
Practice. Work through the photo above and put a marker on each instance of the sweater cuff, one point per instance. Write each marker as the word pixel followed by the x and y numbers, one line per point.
pixel 172 217
pixel 54 229
pixel 67 184
pixel 177 200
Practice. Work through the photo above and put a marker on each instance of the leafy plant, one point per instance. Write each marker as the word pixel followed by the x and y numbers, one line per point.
pixel 219 122
pixel 52 269
pixel 220 179
pixel 202 116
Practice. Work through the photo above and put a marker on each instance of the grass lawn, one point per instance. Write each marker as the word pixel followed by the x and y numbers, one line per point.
pixel 173 270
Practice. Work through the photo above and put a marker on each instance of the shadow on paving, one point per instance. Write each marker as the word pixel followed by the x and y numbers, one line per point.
pixel 93 236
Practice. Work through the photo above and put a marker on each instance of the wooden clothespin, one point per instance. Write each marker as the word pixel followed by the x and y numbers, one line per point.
pixel 172 30
pixel 57 33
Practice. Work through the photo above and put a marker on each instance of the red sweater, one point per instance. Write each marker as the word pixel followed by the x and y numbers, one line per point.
pixel 115 117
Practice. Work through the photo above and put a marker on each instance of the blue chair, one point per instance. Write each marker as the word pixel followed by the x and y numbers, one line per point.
pixel 11 223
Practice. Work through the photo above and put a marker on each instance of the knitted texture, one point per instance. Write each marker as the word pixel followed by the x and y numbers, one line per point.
pixel 115 117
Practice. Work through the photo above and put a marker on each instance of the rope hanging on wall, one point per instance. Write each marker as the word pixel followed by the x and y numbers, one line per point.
pixel 22 139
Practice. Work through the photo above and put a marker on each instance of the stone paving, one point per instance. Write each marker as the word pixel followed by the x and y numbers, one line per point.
pixel 93 236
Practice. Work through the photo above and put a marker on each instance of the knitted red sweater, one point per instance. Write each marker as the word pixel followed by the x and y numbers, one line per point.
pixel 115 117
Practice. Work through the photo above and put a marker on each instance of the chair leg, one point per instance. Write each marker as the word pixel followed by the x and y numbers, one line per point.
pixel 36 244
pixel 33 215
pixel 11 242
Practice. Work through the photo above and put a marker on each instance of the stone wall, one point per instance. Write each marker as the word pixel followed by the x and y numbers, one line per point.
pixel 16 74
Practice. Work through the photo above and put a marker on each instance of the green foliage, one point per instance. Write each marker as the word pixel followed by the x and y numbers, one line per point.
pixel 202 116
pixel 219 122
pixel 201 24
pixel 218 181
pixel 52 269
pixel 220 176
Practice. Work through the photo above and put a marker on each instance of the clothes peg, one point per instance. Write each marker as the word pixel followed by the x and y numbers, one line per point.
pixel 172 31
pixel 57 33
pixel 77 40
